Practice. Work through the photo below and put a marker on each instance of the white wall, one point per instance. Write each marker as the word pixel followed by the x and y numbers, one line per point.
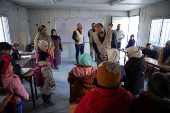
pixel 50 15
pixel 146 13
pixel 18 23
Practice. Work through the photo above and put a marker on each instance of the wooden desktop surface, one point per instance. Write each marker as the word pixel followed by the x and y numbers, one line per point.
pixel 5 101
pixel 71 108
pixel 157 64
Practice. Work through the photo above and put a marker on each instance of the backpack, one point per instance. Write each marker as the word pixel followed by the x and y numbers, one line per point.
pixel 39 80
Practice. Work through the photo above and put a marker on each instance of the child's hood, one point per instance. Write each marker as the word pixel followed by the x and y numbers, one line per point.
pixel 44 63
pixel 7 78
pixel 81 71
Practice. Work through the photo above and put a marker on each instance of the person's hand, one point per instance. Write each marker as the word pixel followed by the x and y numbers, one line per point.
pixel 105 58
pixel 101 56
pixel 120 38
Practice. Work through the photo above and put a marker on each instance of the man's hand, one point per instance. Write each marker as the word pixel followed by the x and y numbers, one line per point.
pixel 120 38
pixel 105 58
pixel 101 57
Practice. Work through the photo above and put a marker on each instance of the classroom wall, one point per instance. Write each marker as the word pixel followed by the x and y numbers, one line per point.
pixel 146 13
pixel 18 23
pixel 47 17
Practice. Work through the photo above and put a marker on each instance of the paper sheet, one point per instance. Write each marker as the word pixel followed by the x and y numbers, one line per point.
pixel 2 98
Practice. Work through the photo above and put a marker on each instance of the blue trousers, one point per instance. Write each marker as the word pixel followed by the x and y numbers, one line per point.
pixel 46 98
pixel 18 108
pixel 79 48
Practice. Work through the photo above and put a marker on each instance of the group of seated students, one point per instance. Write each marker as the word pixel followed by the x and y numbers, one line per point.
pixel 99 90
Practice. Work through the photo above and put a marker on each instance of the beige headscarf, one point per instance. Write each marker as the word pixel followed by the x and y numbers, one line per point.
pixel 134 52
pixel 42 44
pixel 113 55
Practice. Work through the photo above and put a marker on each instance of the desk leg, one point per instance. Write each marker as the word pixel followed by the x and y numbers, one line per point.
pixel 125 59
pixel 35 89
pixel 30 79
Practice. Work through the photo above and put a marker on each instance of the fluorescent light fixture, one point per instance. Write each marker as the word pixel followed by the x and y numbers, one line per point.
pixel 54 1
pixel 115 2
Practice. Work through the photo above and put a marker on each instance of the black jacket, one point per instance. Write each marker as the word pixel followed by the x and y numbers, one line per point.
pixel 14 54
pixel 15 67
pixel 135 69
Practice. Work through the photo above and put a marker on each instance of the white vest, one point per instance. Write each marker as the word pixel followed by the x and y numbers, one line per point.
pixel 79 37
pixel 106 45
pixel 91 36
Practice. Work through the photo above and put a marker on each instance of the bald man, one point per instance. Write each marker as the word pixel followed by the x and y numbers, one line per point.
pixel 79 40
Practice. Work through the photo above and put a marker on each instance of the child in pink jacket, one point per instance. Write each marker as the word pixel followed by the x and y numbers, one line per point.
pixel 11 83
pixel 43 46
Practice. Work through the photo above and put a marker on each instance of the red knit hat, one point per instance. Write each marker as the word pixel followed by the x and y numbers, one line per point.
pixel 108 74
pixel 6 59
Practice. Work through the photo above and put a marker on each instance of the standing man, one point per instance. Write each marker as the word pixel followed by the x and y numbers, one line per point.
pixel 90 35
pixel 102 42
pixel 79 40
pixel 119 35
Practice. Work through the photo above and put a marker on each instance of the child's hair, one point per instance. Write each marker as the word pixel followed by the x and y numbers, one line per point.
pixel 5 45
pixel 148 44
pixel 2 91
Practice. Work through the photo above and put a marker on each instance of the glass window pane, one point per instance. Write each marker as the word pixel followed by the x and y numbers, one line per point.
pixel 1 31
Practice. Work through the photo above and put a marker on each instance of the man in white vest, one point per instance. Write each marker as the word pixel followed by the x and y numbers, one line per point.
pixel 90 35
pixel 119 35
pixel 79 40
pixel 102 42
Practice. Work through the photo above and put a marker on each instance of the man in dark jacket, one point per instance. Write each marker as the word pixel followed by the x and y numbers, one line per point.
pixel 5 48
pixel 102 42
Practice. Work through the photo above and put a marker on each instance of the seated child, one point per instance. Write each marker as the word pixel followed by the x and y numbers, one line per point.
pixel 147 51
pixel 14 51
pixel 154 99
pixel 43 46
pixel 11 83
pixel 49 83
pixel 135 69
pixel 108 97
pixel 5 48
pixel 164 55
pixel 131 41
pixel 82 77
pixel 113 55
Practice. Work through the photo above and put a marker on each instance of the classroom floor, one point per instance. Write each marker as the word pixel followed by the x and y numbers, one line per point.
pixel 61 97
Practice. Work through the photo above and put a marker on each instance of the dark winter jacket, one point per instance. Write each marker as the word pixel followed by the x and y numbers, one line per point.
pixel 135 69
pixel 150 103
pixel 15 54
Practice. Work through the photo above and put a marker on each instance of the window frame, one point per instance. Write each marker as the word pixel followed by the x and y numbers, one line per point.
pixel 160 34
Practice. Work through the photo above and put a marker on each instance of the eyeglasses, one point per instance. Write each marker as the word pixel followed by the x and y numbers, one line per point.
pixel 100 33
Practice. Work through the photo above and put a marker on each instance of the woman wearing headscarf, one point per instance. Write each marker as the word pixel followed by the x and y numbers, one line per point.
pixel 113 55
pixel 135 69
pixel 58 48
pixel 42 35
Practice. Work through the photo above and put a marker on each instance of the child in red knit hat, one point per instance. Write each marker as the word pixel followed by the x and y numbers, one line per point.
pixel 108 97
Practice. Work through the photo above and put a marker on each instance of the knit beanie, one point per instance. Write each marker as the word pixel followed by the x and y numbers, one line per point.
pixel 85 59
pixel 43 55
pixel 108 74
pixel 134 52
pixel 113 55
pixel 42 44
pixel 168 42
pixel 159 84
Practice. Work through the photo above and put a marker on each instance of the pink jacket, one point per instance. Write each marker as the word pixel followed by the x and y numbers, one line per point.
pixel 12 84
pixel 51 59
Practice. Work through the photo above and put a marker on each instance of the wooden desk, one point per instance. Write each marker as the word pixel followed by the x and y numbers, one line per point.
pixel 7 99
pixel 24 61
pixel 27 53
pixel 28 75
pixel 125 51
pixel 71 108
pixel 156 63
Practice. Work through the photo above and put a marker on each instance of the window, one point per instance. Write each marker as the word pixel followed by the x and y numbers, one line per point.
pixel 4 30
pixel 159 32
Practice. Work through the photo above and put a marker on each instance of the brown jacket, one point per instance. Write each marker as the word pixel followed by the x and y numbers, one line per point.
pixel 82 78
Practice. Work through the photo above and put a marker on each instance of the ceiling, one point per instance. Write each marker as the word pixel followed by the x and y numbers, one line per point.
pixel 123 5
